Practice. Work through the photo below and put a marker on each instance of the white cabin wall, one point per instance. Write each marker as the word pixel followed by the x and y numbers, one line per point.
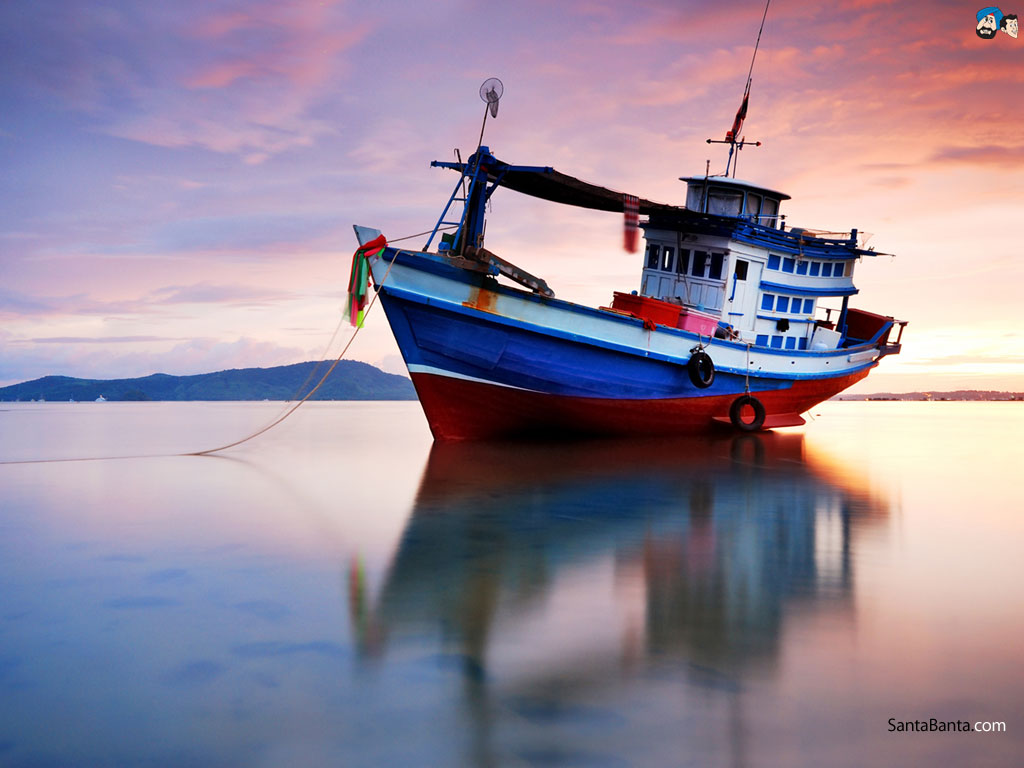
pixel 705 291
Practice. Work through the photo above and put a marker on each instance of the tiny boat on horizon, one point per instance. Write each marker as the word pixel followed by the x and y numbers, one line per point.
pixel 739 320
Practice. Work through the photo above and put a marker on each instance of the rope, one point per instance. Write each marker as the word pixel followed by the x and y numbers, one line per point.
pixel 319 384
pixel 288 412
pixel 746 373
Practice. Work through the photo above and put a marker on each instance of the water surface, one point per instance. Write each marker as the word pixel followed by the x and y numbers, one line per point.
pixel 342 592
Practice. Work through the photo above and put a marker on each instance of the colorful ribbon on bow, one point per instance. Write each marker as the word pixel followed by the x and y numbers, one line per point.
pixel 359 279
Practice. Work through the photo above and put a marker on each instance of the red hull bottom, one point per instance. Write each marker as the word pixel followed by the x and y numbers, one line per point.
pixel 467 410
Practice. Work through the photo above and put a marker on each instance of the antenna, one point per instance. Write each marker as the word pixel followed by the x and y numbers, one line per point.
pixel 732 136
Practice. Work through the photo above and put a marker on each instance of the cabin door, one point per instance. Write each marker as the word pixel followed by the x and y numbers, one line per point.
pixel 741 299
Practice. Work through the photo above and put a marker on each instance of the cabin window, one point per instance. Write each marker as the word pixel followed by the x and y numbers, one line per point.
pixel 767 301
pixel 667 254
pixel 782 304
pixel 802 344
pixel 653 254
pixel 753 205
pixel 826 269
pixel 700 260
pixel 741 269
pixel 715 273
pixel 684 261
pixel 791 342
pixel 815 268
pixel 762 340
pixel 724 202
pixel 801 267
pixel 773 262
pixel 770 212
pixel 776 342
pixel 809 306
pixel 788 265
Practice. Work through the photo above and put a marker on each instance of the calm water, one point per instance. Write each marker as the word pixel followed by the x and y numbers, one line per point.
pixel 340 592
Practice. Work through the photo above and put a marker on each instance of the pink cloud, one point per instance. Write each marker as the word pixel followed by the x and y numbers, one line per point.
pixel 990 155
pixel 221 75
pixel 302 45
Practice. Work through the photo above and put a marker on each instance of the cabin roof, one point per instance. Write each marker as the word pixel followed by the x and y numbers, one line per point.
pixel 728 181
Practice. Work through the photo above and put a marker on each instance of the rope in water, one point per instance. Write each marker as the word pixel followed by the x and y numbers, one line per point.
pixel 287 412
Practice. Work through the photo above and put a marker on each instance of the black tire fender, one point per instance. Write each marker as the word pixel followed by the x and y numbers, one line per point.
pixel 736 411
pixel 701 369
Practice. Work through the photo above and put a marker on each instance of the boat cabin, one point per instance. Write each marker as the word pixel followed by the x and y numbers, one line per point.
pixel 764 284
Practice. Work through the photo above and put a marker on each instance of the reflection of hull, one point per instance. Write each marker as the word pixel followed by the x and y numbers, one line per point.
pixel 719 534
pixel 489 362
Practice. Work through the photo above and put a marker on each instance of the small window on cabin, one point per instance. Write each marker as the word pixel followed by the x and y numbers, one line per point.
pixel 773 262
pixel 791 342
pixel 715 273
pixel 776 342
pixel 767 301
pixel 700 260
pixel 741 269
pixel 782 304
pixel 826 269
pixel 683 262
pixel 803 344
pixel 801 267
pixel 653 255
pixel 753 205
pixel 724 202
pixel 667 254
pixel 788 265
pixel 815 268
pixel 762 340
pixel 770 212
pixel 809 306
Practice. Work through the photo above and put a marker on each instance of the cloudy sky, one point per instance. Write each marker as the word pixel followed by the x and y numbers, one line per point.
pixel 179 180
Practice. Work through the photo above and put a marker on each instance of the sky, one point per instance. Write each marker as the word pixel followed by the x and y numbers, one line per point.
pixel 179 180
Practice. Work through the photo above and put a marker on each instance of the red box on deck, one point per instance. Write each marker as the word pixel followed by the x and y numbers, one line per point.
pixel 665 313
pixel 655 310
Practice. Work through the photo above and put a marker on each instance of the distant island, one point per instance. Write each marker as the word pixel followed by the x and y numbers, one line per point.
pixel 351 380
pixel 974 395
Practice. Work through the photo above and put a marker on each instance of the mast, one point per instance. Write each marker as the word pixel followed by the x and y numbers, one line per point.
pixel 732 136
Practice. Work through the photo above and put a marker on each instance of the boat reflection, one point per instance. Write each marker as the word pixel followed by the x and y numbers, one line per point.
pixel 579 561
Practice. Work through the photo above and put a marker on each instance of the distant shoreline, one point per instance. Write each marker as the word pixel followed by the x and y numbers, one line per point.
pixel 349 380
pixel 965 395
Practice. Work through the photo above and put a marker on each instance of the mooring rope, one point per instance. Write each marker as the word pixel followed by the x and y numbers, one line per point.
pixel 287 412
pixel 746 387
pixel 319 384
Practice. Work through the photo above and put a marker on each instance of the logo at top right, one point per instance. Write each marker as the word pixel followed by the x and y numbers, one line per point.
pixel 992 20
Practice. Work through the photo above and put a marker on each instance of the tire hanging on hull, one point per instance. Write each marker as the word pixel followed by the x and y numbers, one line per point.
pixel 736 413
pixel 701 369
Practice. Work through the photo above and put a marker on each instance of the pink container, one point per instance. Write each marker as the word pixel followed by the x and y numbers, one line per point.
pixel 697 322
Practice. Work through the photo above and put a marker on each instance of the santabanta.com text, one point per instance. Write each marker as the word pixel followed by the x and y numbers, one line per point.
pixel 933 724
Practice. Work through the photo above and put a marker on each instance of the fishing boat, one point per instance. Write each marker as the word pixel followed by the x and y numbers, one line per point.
pixel 740 320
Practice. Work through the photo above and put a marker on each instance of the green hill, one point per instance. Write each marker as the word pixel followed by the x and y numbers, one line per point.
pixel 351 380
